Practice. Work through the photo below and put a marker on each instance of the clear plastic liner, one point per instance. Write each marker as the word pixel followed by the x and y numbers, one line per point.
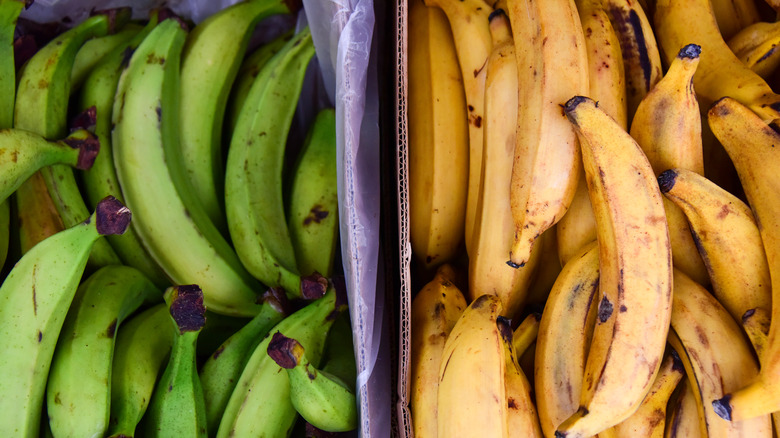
pixel 343 36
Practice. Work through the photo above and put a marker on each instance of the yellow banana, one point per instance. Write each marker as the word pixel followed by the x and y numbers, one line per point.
pixel 526 333
pixel 564 336
pixel 635 273
pixel 650 418
pixel 547 269
pixel 522 419
pixel 606 79
pixel 756 324
pixel 751 144
pixel 472 395
pixel 438 138
pixel 756 47
pixel 720 73
pixel 728 239
pixel 493 225
pixel 639 48
pixel 435 309
pixel 469 22
pixel 552 67
pixel 715 354
pixel 734 15
pixel 667 125
pixel 683 419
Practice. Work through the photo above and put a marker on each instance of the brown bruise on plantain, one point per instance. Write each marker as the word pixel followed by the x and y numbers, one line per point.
pixel 316 215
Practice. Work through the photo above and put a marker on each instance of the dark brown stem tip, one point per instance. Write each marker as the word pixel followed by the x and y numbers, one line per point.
pixel 571 105
pixel 86 119
pixel 719 108
pixel 282 350
pixel 722 407
pixel 117 17
pixel 559 434
pixel 515 265
pixel 112 216
pixel 666 180
pixel 691 51
pixel 313 286
pixel 187 308
pixel 88 146
pixel 277 299
pixel 497 13
pixel 28 3
pixel 677 364
pixel 505 328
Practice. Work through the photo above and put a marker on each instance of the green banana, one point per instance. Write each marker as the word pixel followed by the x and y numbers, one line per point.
pixel 142 348
pixel 339 355
pixel 100 180
pixel 313 199
pixel 9 13
pixel 260 403
pixel 41 107
pixel 210 62
pixel 254 202
pixel 145 146
pixel 249 70
pixel 176 408
pixel 22 153
pixel 93 51
pixel 78 391
pixel 34 300
pixel 321 398
pixel 223 368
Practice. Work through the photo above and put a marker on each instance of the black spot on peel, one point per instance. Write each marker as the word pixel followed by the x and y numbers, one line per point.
pixel 218 352
pixel 111 330
pixel 158 110
pixel 505 329
pixel 748 313
pixel 767 54
pixel 605 310
pixel 644 57
pixel 40 336
pixel 623 309
pixel 126 56
pixel 316 215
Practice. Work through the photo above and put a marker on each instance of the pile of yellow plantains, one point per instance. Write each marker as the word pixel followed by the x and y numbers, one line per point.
pixel 594 218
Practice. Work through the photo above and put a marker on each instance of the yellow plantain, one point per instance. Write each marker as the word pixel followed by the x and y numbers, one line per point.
pixel 552 67
pixel 667 125
pixel 752 146
pixel 435 309
pixel 438 138
pixel 720 73
pixel 756 46
pixel 522 419
pixel 472 395
pixel 683 419
pixel 493 226
pixel 635 273
pixel 469 22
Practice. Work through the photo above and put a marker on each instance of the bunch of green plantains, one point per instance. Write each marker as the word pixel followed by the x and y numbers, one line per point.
pixel 214 306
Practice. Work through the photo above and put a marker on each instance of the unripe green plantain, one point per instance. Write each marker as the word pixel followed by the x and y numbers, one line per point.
pixel 253 175
pixel 313 200
pixel 260 404
pixel 322 399
pixel 221 371
pixel 210 61
pixel 78 393
pixel 34 301
pixel 145 145
pixel 142 347
pixel 176 408
pixel 101 180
